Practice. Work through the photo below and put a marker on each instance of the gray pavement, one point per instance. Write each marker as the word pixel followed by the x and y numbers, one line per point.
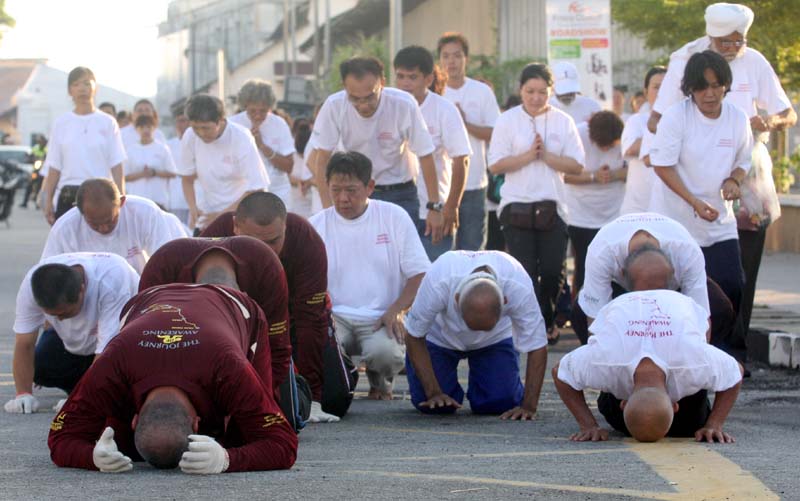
pixel 387 450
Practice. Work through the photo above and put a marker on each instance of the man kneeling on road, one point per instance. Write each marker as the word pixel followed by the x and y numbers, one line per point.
pixel 480 306
pixel 178 374
pixel 256 271
pixel 650 358
pixel 80 296
pixel 263 216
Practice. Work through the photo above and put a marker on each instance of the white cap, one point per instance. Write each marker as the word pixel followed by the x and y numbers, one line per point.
pixel 566 78
pixel 722 19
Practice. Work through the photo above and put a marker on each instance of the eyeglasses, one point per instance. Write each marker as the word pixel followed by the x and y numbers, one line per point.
pixel 729 44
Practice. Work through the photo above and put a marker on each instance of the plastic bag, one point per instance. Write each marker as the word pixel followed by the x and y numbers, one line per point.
pixel 759 204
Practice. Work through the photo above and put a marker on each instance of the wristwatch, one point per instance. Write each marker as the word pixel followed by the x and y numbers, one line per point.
pixel 436 206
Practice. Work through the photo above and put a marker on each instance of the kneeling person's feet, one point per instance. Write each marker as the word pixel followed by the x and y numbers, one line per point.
pixel 376 394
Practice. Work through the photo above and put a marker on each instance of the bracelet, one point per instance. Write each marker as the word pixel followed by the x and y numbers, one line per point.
pixel 731 178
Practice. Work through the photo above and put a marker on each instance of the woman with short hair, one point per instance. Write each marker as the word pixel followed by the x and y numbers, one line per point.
pixel 84 143
pixel 701 152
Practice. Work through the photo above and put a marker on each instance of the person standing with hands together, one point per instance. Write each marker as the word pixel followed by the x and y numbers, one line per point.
pixel 535 145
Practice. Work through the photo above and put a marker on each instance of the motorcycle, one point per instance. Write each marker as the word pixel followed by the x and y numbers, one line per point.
pixel 12 178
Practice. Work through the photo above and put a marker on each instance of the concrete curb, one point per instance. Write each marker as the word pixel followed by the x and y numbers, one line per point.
pixel 778 349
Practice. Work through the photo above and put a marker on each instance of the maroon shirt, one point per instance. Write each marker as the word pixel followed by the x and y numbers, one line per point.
pixel 258 272
pixel 306 264
pixel 194 337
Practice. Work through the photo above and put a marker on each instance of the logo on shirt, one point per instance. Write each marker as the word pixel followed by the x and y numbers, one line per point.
pixel 175 330
pixel 658 325
pixel 725 143
pixel 385 136
pixel 179 322
pixel 317 298
pixel 743 87
pixel 382 239
pixel 58 422
pixel 272 419
pixel 277 328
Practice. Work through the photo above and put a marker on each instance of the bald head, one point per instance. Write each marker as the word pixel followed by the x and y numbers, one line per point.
pixel 648 268
pixel 97 192
pixel 163 426
pixel 216 267
pixel 481 304
pixel 648 414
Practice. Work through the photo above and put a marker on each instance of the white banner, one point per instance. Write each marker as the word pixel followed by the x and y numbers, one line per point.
pixel 579 31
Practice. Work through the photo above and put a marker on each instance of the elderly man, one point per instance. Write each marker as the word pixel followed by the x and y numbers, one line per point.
pixel 80 296
pixel 387 126
pixel 480 306
pixel 302 253
pixel 181 379
pixel 605 277
pixel 105 221
pixel 755 87
pixel 650 359
pixel 375 265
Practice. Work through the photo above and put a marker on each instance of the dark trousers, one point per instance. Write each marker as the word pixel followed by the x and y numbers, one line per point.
pixel 472 215
pixel 723 318
pixel 495 239
pixel 693 412
pixel 54 366
pixel 494 384
pixel 406 197
pixel 580 238
pixel 295 399
pixel 751 245
pixel 339 377
pixel 542 255
pixel 724 266
pixel 66 200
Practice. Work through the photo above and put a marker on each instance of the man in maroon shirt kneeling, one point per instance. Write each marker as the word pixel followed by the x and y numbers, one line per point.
pixel 180 374
pixel 329 372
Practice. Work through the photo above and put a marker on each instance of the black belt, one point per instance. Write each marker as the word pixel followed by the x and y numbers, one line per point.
pixel 395 187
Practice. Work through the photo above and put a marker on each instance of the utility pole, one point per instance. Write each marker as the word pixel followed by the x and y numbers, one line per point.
pixel 395 31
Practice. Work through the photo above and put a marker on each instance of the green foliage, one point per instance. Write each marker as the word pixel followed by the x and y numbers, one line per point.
pixel 358 46
pixel 784 170
pixel 5 19
pixel 669 24
pixel 503 77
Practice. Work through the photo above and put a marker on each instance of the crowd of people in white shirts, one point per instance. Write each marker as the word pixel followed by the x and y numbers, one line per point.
pixel 405 185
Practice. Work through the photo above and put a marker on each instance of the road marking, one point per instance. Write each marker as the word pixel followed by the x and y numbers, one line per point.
pixel 518 483
pixel 483 456
pixel 6 383
pixel 699 472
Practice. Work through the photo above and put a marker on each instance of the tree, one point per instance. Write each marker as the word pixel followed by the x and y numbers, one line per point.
pixel 359 46
pixel 669 24
pixel 5 19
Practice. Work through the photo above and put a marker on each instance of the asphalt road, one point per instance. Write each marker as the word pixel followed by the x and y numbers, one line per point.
pixel 386 450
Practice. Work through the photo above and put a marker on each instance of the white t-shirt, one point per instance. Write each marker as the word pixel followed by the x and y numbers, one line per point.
pixel 581 109
pixel 130 136
pixel 664 326
pixel 450 139
pixel 155 156
pixel 755 83
pixel 110 283
pixel 436 315
pixel 141 230
pixel 609 249
pixel 83 147
pixel 641 178
pixel 479 104
pixel 176 227
pixel 177 200
pixel 514 134
pixel 593 205
pixel 370 258
pixel 226 168
pixel 276 134
pixel 704 152
pixel 387 138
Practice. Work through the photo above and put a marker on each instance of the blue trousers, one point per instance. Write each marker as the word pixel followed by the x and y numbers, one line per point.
pixel 54 366
pixel 494 383
pixel 472 221
pixel 434 251
pixel 407 198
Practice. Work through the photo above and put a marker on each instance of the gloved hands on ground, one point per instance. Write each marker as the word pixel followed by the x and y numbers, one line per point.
pixel 24 403
pixel 107 457
pixel 204 457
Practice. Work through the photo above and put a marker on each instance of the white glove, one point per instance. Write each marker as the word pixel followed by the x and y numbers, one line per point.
pixel 319 416
pixel 22 404
pixel 204 457
pixel 107 457
pixel 59 405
